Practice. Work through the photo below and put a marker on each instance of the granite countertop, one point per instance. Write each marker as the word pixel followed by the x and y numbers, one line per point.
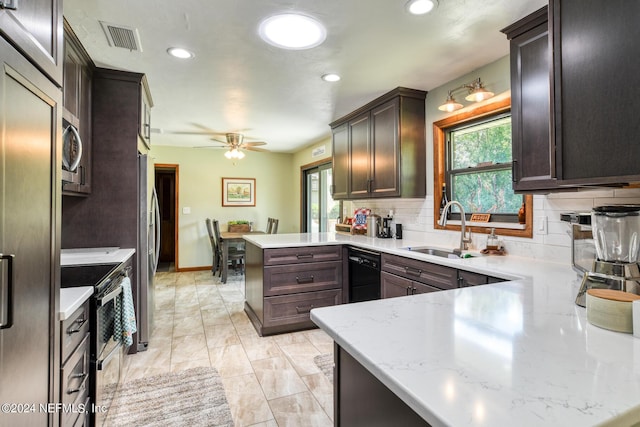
pixel 513 353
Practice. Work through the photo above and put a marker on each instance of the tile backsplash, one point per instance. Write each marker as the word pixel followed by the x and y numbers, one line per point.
pixel 550 240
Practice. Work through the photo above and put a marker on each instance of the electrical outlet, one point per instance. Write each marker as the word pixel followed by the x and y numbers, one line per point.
pixel 542 225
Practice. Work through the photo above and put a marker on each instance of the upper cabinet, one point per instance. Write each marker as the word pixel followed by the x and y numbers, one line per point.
pixel 596 58
pixel 532 145
pixel 76 115
pixel 144 119
pixel 33 27
pixel 573 70
pixel 379 149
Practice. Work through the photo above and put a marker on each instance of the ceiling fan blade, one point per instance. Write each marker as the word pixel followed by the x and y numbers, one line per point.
pixel 221 141
pixel 253 144
pixel 212 146
pixel 255 149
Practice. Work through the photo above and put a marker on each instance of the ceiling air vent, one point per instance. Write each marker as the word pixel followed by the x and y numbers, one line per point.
pixel 121 36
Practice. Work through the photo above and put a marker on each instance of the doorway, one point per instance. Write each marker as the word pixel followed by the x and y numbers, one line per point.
pixel 320 212
pixel 166 183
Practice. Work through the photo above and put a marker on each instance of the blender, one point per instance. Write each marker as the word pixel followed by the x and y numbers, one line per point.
pixel 616 234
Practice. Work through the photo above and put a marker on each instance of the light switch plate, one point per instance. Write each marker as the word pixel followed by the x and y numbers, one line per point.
pixel 542 227
pixel 186 210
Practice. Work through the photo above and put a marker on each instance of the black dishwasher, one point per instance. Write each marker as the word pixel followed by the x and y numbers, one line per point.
pixel 364 275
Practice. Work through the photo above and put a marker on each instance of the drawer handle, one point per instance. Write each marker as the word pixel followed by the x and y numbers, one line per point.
pixel 301 280
pixel 304 256
pixel 304 308
pixel 413 271
pixel 80 322
pixel 408 290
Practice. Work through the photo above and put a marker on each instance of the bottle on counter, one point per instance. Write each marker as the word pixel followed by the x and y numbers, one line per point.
pixel 444 200
pixel 493 244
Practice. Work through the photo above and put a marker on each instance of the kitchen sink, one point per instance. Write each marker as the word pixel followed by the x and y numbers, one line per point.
pixel 443 253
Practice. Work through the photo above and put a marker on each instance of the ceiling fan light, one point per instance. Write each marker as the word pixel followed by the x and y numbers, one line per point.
pixel 240 155
pixel 228 155
pixel 420 7
pixel 292 31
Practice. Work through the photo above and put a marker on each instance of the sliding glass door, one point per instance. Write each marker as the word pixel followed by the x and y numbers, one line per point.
pixel 320 210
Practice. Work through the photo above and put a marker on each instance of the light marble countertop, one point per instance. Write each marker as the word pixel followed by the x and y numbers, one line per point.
pixel 72 298
pixel 513 353
pixel 86 256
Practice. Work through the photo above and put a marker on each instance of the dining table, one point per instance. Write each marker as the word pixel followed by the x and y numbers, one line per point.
pixel 228 238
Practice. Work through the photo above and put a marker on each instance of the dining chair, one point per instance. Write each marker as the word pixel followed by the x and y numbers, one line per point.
pixel 272 226
pixel 215 264
pixel 235 255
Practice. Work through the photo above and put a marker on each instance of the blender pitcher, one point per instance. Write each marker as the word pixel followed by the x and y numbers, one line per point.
pixel 616 233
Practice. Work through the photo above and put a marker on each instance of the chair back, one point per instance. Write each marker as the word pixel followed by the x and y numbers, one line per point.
pixel 272 226
pixel 212 238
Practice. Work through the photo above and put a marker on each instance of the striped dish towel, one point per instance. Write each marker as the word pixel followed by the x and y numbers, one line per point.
pixel 125 321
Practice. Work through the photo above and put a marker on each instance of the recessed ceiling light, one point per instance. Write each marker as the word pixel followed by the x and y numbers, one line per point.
pixel 179 52
pixel 292 31
pixel 330 77
pixel 420 7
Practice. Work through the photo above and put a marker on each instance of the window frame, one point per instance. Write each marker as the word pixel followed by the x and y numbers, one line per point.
pixel 440 129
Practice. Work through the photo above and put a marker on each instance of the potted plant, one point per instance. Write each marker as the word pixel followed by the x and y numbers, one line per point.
pixel 238 226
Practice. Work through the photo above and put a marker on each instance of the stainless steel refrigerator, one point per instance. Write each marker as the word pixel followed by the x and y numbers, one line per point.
pixel 148 247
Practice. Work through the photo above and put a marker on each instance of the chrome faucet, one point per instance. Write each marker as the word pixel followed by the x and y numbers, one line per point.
pixel 464 240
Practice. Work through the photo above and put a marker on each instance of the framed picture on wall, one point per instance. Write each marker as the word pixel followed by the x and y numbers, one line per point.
pixel 238 191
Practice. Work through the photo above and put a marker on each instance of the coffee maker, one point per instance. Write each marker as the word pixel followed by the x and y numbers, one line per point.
pixel 385 232
pixel 616 235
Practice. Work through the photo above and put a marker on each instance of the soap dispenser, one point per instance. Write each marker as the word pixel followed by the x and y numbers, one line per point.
pixel 493 244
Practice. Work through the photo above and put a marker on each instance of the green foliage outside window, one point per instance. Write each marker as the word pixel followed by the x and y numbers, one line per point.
pixel 480 167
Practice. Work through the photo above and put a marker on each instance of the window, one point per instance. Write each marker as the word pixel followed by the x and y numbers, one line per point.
pixel 478 173
pixel 472 157
pixel 320 211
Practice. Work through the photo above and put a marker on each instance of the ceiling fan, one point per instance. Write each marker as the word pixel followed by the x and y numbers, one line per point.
pixel 235 144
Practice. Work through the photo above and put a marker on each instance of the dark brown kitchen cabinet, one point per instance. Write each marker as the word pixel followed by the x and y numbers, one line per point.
pixel 144 119
pixel 435 275
pixel 30 117
pixel 379 149
pixel 596 58
pixel 533 145
pixel 467 278
pixel 35 28
pixel 396 286
pixel 76 97
pixel 282 285
pixel 74 371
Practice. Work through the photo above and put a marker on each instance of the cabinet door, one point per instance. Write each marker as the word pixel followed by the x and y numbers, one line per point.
pixel 385 175
pixel 339 189
pixel 596 61
pixel 467 278
pixel 29 183
pixel 35 26
pixel 532 143
pixel 360 158
pixel 421 288
pixel 394 286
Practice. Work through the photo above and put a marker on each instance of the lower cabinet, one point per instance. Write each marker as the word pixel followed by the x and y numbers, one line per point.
pixel 405 276
pixel 74 372
pixel 283 285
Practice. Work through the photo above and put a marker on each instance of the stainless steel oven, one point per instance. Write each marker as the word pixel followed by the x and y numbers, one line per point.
pixel 107 353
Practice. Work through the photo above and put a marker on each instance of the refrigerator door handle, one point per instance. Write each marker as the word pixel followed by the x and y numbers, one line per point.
pixel 156 208
pixel 6 295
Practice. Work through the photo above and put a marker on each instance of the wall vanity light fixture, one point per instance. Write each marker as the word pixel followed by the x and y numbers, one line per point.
pixel 476 93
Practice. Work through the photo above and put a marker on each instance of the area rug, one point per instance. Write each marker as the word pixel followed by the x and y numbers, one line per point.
pixel 194 397
pixel 325 363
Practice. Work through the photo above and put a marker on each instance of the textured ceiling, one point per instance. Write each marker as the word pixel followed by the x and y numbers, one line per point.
pixel 237 82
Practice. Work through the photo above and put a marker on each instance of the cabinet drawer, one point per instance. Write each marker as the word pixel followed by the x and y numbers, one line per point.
pixel 74 330
pixel 74 377
pixel 302 254
pixel 293 279
pixel 423 272
pixel 294 309
pixel 467 278
pixel 394 286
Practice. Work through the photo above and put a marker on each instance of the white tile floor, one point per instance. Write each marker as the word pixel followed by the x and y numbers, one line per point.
pixel 269 381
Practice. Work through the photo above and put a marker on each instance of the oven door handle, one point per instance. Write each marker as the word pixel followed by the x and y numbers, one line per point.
pixel 100 364
pixel 110 296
